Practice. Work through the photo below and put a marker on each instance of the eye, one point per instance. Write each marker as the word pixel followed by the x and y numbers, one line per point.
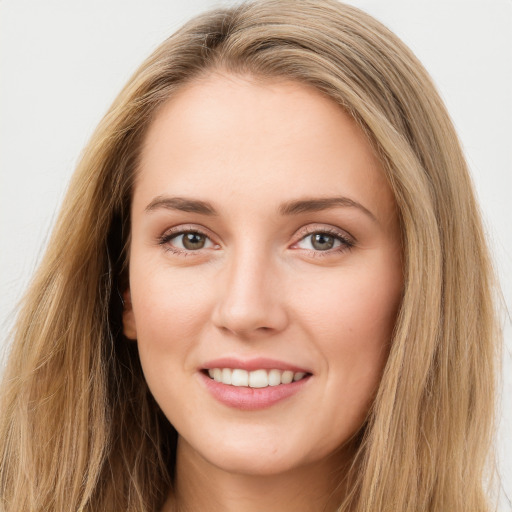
pixel 324 241
pixel 320 242
pixel 184 241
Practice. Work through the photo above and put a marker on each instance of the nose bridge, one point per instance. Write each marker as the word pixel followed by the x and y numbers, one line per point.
pixel 250 301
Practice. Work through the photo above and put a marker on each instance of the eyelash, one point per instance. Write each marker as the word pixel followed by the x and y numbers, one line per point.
pixel 346 243
pixel 168 236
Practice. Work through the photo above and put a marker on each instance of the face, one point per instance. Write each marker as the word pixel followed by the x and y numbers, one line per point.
pixel 265 272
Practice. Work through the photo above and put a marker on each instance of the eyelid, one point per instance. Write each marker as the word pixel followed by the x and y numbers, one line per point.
pixel 324 228
pixel 181 229
pixel 347 240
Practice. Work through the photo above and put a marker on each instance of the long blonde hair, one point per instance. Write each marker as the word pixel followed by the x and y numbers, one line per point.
pixel 79 429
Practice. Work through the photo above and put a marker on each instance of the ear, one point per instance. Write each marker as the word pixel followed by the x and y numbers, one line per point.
pixel 129 327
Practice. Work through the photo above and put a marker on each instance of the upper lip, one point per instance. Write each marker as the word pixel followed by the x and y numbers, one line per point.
pixel 259 363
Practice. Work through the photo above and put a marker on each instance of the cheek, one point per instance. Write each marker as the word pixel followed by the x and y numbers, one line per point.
pixel 354 309
pixel 166 301
pixel 170 308
pixel 351 317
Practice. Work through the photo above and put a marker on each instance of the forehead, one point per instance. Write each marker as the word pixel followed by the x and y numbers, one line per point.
pixel 227 136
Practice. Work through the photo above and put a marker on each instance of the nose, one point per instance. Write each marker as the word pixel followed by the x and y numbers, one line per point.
pixel 251 302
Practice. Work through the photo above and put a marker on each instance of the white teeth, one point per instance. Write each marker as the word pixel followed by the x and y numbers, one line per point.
pixel 255 379
pixel 226 375
pixel 258 379
pixel 274 378
pixel 287 377
pixel 239 378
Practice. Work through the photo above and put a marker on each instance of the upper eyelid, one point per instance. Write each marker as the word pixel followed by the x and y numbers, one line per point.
pixel 344 241
pixel 191 228
pixel 331 230
pixel 169 234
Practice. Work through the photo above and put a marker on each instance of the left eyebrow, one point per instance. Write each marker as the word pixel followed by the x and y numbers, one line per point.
pixel 324 203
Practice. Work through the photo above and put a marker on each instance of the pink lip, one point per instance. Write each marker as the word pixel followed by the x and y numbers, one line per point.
pixel 251 399
pixel 260 363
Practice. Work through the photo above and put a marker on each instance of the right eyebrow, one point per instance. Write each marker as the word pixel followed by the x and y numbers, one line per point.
pixel 182 204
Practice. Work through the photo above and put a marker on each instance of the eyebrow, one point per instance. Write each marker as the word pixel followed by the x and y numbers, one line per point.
pixel 182 204
pixel 289 208
pixel 324 203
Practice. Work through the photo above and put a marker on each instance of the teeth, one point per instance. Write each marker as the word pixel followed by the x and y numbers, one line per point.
pixel 274 378
pixel 258 379
pixel 254 379
pixel 226 376
pixel 239 377
pixel 287 377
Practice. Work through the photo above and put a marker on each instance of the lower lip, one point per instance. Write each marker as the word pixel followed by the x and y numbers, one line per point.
pixel 252 399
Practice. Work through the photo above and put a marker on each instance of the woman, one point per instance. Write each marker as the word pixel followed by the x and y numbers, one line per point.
pixel 268 287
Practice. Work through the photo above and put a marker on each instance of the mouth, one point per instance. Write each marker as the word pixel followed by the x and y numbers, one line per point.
pixel 254 384
pixel 256 379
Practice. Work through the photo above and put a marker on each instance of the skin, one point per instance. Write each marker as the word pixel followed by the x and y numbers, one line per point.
pixel 260 287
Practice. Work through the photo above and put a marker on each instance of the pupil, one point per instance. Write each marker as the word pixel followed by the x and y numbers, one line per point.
pixel 193 241
pixel 322 242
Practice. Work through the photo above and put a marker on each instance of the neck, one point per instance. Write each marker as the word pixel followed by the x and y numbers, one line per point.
pixel 200 486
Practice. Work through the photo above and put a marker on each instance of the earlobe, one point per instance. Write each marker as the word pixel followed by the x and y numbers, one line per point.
pixel 129 327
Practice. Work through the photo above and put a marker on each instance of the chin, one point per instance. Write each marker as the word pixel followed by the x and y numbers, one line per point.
pixel 259 454
pixel 258 463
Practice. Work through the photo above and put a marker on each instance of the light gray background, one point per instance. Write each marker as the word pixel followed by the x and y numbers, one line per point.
pixel 62 62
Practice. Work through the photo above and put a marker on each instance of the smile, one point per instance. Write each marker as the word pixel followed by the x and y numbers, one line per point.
pixel 261 378
pixel 253 384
